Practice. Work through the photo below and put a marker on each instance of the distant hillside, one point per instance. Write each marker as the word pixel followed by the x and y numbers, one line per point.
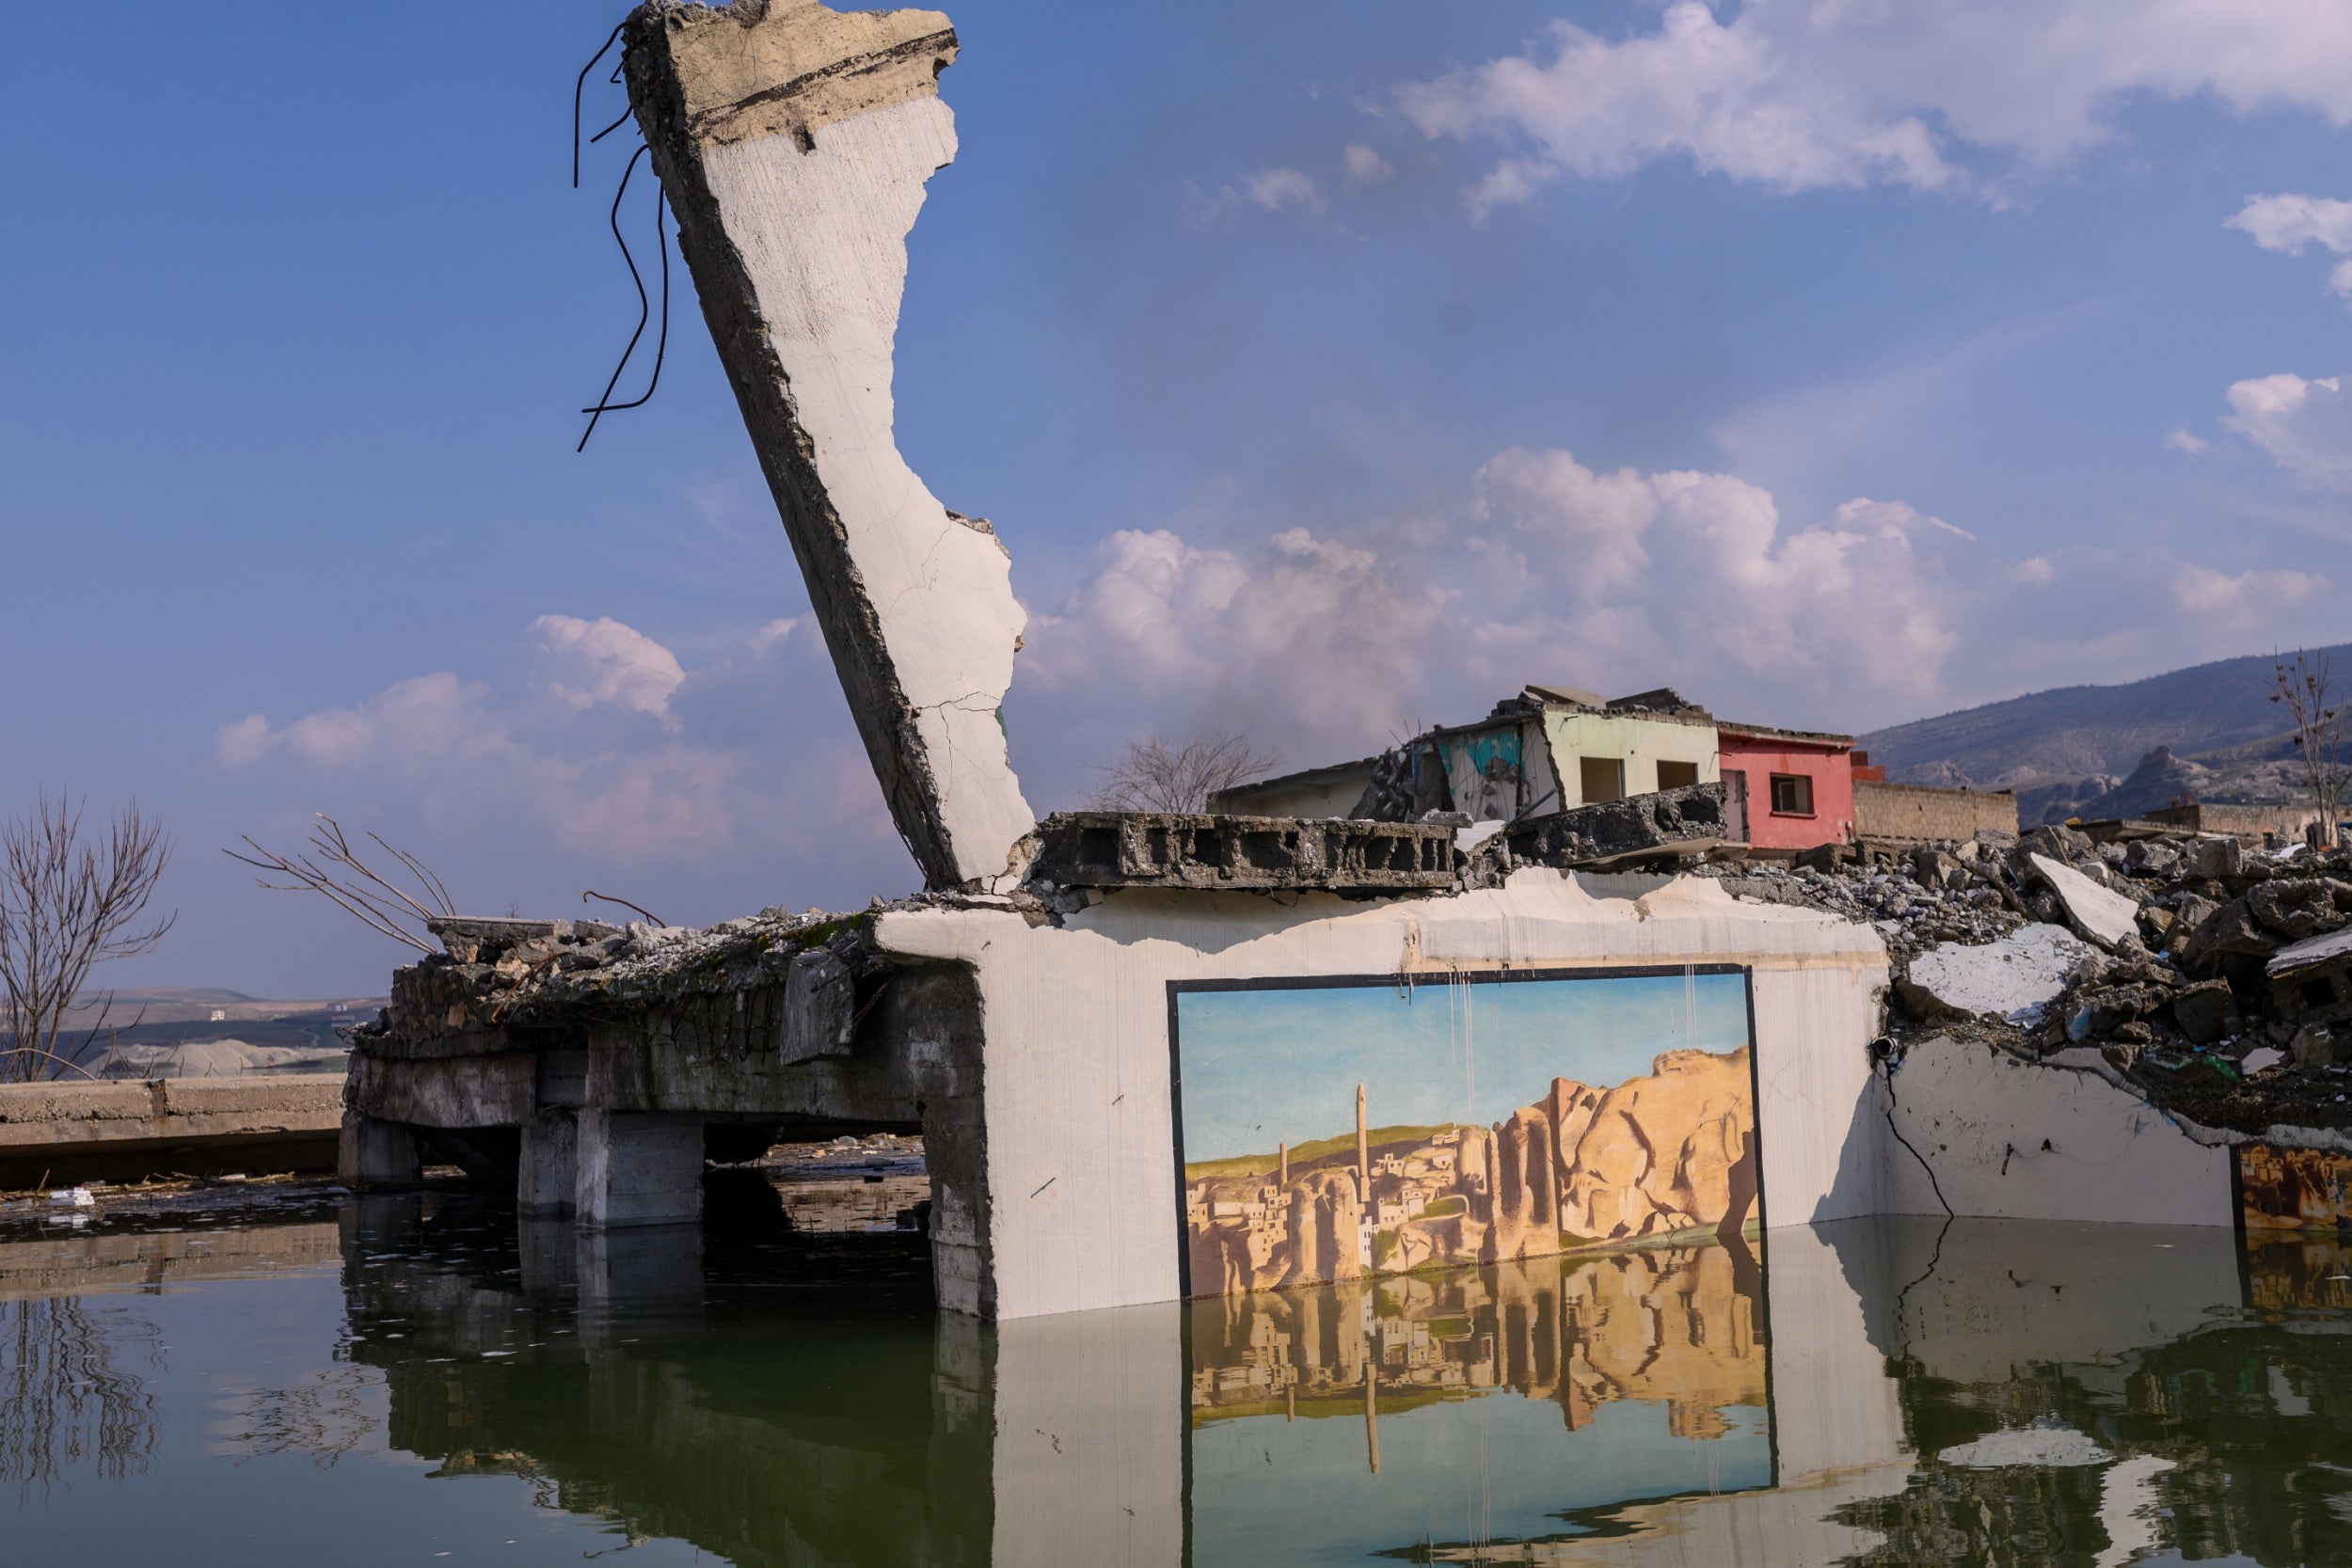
pixel 2080 748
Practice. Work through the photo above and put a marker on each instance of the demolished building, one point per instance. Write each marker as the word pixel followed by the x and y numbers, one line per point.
pixel 1092 1018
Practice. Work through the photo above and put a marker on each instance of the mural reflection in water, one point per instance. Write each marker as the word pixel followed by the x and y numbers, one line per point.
pixel 1561 1385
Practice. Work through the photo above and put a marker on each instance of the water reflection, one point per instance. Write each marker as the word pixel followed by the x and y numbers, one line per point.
pixel 1877 1393
pixel 72 1396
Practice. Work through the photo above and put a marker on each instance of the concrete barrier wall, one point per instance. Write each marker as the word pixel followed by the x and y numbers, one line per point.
pixel 72 1130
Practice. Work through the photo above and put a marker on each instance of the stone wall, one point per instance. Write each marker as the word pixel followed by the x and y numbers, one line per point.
pixel 1913 813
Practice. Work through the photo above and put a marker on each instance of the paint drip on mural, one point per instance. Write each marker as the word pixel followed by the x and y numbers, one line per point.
pixel 1394 1129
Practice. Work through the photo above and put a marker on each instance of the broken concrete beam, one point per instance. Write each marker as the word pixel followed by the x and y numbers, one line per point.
pixel 1685 821
pixel 794 143
pixel 485 939
pixel 1174 849
pixel 2099 914
pixel 2312 981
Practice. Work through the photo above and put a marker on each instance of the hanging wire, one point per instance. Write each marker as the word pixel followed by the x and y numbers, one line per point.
pixel 581 86
pixel 604 405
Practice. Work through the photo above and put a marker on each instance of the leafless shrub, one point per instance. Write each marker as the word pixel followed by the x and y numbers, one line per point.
pixel 2303 690
pixel 1153 774
pixel 66 904
pixel 333 870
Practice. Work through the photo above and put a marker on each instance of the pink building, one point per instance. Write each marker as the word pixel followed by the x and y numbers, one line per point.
pixel 1800 783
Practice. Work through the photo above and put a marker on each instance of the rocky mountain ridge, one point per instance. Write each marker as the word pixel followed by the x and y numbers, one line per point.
pixel 2208 733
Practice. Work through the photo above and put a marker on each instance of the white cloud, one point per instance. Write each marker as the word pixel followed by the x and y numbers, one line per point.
pixel 2292 223
pixel 1809 94
pixel 591 752
pixel 1547 569
pixel 2035 571
pixel 584 663
pixel 2289 223
pixel 1365 166
pixel 2248 601
pixel 1283 189
pixel 2306 426
pixel 2187 441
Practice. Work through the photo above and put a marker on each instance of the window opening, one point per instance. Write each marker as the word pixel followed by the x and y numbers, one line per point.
pixel 1601 778
pixel 1792 795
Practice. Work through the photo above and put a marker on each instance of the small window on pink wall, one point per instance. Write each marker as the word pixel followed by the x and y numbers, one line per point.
pixel 1792 795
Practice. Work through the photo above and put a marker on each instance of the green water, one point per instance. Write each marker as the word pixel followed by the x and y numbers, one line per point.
pixel 293 1377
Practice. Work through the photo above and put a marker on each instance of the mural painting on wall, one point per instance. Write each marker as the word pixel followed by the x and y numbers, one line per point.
pixel 1333 1129
pixel 2283 1190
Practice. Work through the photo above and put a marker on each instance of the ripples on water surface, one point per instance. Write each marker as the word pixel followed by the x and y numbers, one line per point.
pixel 303 1378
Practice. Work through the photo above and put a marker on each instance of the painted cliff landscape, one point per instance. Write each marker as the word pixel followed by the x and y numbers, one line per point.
pixel 1545 1115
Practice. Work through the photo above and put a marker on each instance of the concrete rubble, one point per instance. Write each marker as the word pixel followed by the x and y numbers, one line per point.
pixel 2216 982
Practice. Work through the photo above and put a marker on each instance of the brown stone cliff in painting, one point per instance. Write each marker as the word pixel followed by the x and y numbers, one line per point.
pixel 1669 1154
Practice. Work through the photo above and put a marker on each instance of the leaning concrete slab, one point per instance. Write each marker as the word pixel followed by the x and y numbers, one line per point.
pixel 2100 914
pixel 794 143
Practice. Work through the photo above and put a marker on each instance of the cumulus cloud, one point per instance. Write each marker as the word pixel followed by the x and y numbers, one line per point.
pixel 589 750
pixel 1329 642
pixel 2306 426
pixel 1545 569
pixel 2292 223
pixel 1283 189
pixel 2248 601
pixel 2187 441
pixel 1809 94
pixel 585 662
pixel 1364 164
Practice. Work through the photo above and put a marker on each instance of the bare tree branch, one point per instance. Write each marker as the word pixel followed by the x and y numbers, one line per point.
pixel 1152 774
pixel 69 903
pixel 2303 689
pixel 334 871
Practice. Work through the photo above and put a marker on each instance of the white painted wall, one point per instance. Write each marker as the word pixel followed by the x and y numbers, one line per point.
pixel 1980 1119
pixel 1080 1130
pixel 1641 742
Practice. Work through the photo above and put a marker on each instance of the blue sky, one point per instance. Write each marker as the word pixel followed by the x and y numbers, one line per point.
pixel 1262 1067
pixel 1327 370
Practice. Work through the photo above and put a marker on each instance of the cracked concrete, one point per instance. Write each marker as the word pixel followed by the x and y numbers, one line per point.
pixel 794 143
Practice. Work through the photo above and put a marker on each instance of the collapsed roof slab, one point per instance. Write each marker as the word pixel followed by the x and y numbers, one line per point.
pixel 794 143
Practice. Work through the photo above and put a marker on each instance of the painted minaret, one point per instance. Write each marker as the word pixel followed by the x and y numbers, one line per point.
pixel 1282 1166
pixel 1363 1151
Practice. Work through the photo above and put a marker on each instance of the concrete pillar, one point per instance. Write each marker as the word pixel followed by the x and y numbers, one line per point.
pixel 547 1184
pixel 638 1167
pixel 377 1154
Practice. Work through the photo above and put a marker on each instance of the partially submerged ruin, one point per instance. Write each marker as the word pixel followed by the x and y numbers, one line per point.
pixel 1099 1022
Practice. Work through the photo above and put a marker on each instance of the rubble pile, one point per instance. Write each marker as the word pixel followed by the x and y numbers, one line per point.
pixel 507 971
pixel 2204 971
pixel 1933 893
